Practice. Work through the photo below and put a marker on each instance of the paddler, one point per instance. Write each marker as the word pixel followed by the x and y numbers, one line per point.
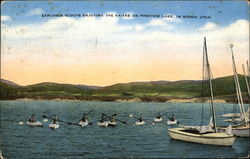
pixel 32 118
pixel 140 119
pixel 84 118
pixel 173 118
pixel 55 119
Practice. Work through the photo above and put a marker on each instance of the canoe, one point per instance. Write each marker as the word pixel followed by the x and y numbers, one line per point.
pixel 170 122
pixel 157 119
pixel 81 123
pixel 53 126
pixel 34 124
pixel 211 138
pixel 139 122
pixel 112 124
pixel 102 124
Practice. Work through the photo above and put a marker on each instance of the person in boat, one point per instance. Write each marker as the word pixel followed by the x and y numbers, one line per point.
pixel 84 118
pixel 173 118
pixel 32 118
pixel 55 119
pixel 102 119
pixel 158 116
pixel 112 119
pixel 140 119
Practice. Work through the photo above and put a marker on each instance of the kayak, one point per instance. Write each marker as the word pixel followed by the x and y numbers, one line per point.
pixel 103 124
pixel 170 122
pixel 157 119
pixel 53 126
pixel 34 124
pixel 112 124
pixel 139 122
pixel 85 123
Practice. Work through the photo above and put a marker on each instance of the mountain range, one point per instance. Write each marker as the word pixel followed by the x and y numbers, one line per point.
pixel 223 88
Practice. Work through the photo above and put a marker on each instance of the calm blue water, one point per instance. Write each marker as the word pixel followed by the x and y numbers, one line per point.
pixel 123 141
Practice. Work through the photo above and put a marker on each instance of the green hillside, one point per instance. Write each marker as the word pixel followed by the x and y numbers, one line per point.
pixel 147 91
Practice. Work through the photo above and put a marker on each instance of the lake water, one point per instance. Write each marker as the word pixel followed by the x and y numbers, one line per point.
pixel 123 141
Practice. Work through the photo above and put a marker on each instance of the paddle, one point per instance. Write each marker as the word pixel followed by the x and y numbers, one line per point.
pixel 89 112
pixel 44 116
pixel 94 122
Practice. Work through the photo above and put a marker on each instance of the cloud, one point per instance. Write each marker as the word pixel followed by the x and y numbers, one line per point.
pixel 36 11
pixel 65 42
pixel 209 26
pixel 5 18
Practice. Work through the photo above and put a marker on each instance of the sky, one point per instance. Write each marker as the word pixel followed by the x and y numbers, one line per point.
pixel 36 47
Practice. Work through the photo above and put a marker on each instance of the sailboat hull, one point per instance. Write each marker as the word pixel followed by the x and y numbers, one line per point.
pixel 221 139
pixel 239 130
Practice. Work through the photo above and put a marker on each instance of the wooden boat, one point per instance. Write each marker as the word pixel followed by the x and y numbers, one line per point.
pixel 204 134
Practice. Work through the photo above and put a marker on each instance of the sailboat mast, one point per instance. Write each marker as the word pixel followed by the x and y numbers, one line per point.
pixel 211 87
pixel 240 101
pixel 247 84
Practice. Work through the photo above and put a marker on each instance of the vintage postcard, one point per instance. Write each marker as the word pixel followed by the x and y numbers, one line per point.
pixel 124 79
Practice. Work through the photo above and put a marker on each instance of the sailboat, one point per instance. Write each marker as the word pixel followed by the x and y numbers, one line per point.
pixel 204 134
pixel 236 116
pixel 243 128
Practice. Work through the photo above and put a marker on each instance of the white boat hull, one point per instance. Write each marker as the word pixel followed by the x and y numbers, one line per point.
pixel 112 124
pixel 83 124
pixel 139 122
pixel 34 124
pixel 157 119
pixel 102 124
pixel 169 122
pixel 54 126
pixel 240 131
pixel 221 139
pixel 230 115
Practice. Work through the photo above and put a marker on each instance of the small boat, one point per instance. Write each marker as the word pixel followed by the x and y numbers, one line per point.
pixel 54 123
pixel 20 123
pixel 204 134
pixel 54 126
pixel 112 123
pixel 83 123
pixel 139 122
pixel 170 122
pixel 182 134
pixel 34 124
pixel 102 123
pixel 157 119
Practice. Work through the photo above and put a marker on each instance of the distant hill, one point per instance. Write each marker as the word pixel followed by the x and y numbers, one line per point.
pixel 154 90
pixel 8 82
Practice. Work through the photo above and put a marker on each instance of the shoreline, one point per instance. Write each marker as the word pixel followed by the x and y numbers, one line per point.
pixel 173 100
